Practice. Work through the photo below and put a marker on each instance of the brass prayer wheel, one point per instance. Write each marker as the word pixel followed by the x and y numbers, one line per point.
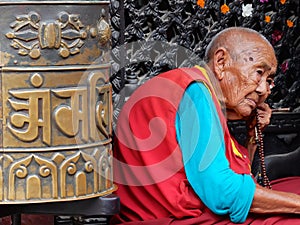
pixel 56 104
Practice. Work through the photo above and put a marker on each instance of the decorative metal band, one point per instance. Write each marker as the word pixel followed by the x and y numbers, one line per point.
pixel 67 34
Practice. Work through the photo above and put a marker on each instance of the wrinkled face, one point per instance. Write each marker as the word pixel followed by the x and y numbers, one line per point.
pixel 247 80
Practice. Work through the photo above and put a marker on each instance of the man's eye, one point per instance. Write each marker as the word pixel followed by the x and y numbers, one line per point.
pixel 260 72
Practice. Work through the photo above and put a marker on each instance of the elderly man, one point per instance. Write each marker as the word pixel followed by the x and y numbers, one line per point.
pixel 175 160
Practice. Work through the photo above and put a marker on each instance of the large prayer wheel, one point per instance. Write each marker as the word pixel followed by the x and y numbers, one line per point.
pixel 56 105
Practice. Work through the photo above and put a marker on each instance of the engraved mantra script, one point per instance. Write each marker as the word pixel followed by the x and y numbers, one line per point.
pixel 86 111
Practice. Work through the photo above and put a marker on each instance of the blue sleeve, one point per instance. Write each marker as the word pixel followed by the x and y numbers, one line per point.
pixel 201 140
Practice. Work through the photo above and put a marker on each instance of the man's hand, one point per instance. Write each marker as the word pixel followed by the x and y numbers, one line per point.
pixel 264 115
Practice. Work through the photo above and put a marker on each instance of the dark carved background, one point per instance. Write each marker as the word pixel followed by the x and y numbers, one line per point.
pixel 142 27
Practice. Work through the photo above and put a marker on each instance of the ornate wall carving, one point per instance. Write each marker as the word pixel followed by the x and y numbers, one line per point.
pixel 187 27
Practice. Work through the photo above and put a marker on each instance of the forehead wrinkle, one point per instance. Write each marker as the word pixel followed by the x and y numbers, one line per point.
pixel 249 55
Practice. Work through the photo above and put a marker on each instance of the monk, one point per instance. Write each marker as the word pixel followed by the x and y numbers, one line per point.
pixel 175 160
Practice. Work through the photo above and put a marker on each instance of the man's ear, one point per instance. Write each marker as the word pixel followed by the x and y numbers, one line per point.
pixel 220 59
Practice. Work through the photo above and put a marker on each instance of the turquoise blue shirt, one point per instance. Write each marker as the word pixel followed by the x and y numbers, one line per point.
pixel 201 139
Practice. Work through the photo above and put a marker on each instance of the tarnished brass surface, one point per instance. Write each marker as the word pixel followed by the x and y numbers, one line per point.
pixel 56 100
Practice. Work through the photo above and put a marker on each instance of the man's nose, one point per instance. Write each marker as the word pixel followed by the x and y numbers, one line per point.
pixel 262 87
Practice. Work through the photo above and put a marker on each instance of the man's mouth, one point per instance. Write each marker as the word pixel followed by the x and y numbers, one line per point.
pixel 251 102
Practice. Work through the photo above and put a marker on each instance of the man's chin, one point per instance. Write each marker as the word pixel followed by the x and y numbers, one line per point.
pixel 237 115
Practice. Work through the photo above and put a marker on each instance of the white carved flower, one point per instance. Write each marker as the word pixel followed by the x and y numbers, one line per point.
pixel 247 10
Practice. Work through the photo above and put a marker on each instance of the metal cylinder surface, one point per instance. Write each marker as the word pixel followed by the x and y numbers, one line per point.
pixel 56 105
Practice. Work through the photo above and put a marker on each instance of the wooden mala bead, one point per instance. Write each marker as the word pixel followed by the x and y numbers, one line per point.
pixel 260 142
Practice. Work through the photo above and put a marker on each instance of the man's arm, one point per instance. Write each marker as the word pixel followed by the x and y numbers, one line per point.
pixel 266 200
pixel 270 201
pixel 201 139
